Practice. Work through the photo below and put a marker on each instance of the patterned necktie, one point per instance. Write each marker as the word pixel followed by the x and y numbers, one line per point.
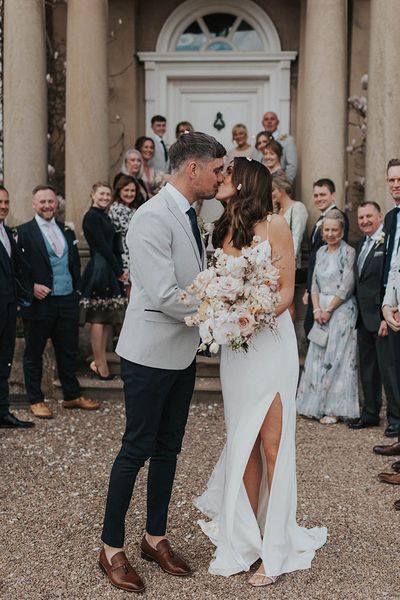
pixel 389 252
pixel 165 150
pixel 195 228
pixel 4 239
pixel 53 238
pixel 364 253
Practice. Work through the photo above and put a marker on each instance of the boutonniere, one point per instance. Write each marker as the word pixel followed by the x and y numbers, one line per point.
pixel 14 233
pixel 205 229
pixel 380 239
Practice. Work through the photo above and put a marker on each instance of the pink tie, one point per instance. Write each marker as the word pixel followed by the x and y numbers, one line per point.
pixel 54 240
pixel 5 240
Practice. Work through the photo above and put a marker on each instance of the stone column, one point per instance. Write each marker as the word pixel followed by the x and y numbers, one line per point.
pixel 87 141
pixel 383 99
pixel 25 104
pixel 324 102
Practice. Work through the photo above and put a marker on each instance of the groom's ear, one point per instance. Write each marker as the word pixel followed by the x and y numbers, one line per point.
pixel 192 169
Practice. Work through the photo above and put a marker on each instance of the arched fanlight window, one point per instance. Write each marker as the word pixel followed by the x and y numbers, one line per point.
pixel 219 32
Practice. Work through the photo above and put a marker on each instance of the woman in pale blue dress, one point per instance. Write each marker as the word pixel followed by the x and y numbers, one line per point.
pixel 328 387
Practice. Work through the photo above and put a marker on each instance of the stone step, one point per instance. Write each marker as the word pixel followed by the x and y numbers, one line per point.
pixel 207 389
pixel 207 367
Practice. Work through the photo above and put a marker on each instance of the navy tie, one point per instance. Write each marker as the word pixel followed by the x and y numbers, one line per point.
pixel 165 150
pixel 389 252
pixel 195 228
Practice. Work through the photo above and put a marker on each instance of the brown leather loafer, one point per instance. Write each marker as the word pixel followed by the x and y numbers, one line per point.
pixel 167 559
pixel 83 403
pixel 41 410
pixel 388 450
pixel 120 573
pixel 393 478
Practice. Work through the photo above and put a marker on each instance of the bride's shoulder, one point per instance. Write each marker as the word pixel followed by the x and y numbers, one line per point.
pixel 273 224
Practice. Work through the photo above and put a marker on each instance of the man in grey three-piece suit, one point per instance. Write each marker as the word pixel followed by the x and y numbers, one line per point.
pixel 158 353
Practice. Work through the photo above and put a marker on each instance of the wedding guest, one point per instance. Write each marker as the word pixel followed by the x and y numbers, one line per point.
pixel 51 251
pixel 390 309
pixel 242 147
pixel 153 180
pixel 160 159
pixel 272 155
pixel 295 214
pixel 376 362
pixel 262 139
pixel 324 196
pixel 270 124
pixel 125 203
pixel 12 267
pixel 102 294
pixel 183 127
pixel 328 387
pixel 132 165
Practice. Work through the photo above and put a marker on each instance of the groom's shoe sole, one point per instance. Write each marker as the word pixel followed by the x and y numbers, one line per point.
pixel 165 557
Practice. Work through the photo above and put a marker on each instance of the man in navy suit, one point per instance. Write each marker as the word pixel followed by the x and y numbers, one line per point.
pixel 51 251
pixel 10 264
pixel 376 360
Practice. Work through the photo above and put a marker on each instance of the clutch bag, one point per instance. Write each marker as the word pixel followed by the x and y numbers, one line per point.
pixel 318 335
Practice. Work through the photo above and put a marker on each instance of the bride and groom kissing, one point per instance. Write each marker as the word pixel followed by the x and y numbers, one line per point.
pixel 251 495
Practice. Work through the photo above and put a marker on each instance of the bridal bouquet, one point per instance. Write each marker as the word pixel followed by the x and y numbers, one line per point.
pixel 238 296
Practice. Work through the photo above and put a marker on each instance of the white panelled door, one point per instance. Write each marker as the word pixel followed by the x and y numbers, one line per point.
pixel 200 103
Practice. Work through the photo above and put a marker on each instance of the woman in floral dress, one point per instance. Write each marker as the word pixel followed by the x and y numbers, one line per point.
pixel 328 387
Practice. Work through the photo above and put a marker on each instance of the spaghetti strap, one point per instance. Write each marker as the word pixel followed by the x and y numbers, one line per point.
pixel 269 219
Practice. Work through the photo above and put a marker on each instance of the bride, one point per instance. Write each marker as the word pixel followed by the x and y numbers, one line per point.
pixel 251 496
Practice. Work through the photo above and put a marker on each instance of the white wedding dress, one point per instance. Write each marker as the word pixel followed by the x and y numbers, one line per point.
pixel 250 382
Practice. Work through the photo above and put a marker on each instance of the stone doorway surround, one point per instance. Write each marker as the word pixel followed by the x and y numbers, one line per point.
pixel 169 69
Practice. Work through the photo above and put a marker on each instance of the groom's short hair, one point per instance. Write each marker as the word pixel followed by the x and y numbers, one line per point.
pixel 194 146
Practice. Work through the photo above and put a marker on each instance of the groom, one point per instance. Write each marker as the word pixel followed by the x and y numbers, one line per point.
pixel 158 354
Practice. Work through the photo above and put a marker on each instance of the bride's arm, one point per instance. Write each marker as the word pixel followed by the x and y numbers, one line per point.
pixel 282 249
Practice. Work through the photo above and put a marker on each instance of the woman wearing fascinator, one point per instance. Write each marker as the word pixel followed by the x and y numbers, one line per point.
pixel 251 495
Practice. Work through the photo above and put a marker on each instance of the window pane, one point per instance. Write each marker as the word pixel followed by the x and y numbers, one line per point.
pixel 192 39
pixel 246 39
pixel 218 46
pixel 219 24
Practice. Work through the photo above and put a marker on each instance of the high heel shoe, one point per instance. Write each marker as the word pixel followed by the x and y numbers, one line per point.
pixel 260 579
pixel 95 370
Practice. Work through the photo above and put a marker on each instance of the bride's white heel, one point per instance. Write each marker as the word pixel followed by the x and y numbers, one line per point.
pixel 260 579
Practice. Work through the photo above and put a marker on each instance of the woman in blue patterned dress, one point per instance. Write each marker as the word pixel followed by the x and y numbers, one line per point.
pixel 328 387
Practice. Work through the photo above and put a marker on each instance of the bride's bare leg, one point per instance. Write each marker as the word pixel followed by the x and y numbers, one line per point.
pixel 252 475
pixel 270 434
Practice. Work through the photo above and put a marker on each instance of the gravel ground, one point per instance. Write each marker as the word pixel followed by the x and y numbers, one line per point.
pixel 52 493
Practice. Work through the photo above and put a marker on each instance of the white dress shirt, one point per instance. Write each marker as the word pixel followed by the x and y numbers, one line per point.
pixel 4 239
pixel 396 243
pixel 44 225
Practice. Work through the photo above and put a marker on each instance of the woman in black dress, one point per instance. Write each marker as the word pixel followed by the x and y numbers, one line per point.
pixel 102 287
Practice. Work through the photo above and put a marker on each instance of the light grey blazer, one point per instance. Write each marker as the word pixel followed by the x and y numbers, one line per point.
pixel 392 293
pixel 164 260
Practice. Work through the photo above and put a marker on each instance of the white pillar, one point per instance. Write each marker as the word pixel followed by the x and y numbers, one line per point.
pixel 383 141
pixel 87 140
pixel 25 104
pixel 324 102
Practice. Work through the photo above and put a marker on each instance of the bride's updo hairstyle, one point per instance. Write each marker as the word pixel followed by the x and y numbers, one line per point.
pixel 251 204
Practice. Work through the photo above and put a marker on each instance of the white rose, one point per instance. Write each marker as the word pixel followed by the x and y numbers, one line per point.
pixel 245 321
pixel 230 287
pixel 225 331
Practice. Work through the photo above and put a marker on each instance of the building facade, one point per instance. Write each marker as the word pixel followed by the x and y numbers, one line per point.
pixel 126 60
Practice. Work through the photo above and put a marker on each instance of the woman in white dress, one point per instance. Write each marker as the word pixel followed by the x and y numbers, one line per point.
pixel 251 496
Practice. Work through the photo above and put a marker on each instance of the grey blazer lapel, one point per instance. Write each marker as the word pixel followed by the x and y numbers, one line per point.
pixel 173 207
